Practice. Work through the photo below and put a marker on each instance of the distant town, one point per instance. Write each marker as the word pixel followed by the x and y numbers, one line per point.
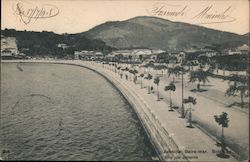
pixel 232 59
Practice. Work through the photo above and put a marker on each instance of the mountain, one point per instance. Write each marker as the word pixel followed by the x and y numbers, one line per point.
pixel 158 33
pixel 247 35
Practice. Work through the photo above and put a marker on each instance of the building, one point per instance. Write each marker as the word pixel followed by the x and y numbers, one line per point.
pixel 244 49
pixel 208 52
pixel 84 54
pixel 234 52
pixel 111 57
pixel 7 53
pixel 125 53
pixel 9 48
pixel 180 56
pixel 9 43
pixel 62 45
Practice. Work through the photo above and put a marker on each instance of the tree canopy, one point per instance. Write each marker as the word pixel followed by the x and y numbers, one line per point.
pixel 198 75
pixel 46 43
pixel 222 119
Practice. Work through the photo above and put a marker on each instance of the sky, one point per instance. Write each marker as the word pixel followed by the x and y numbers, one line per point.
pixel 75 16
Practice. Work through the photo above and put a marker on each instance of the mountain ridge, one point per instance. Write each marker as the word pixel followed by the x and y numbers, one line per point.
pixel 155 32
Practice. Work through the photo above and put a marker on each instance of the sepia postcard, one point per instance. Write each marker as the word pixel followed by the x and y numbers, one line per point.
pixel 124 80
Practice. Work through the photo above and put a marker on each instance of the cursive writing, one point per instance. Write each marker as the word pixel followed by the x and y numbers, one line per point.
pixel 28 12
pixel 215 16
pixel 206 15
pixel 163 9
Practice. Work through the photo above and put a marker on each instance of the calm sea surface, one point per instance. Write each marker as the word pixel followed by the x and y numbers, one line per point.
pixel 63 112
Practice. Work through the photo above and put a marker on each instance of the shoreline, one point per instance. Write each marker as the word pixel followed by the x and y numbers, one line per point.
pixel 163 141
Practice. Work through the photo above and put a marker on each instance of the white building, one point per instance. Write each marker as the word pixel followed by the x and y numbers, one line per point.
pixel 244 49
pixel 234 52
pixel 8 44
pixel 62 45
pixel 88 54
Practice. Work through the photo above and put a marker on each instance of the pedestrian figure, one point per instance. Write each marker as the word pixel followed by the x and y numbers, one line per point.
pixel 198 86
pixel 135 79
pixel 152 88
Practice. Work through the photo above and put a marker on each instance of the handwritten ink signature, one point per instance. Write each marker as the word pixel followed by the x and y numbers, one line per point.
pixel 28 12
pixel 207 15
pixel 168 10
pixel 215 16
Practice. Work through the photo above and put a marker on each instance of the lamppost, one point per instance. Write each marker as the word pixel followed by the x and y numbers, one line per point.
pixel 182 95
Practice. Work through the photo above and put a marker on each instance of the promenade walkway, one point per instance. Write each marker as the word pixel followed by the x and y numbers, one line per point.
pixel 210 103
pixel 196 145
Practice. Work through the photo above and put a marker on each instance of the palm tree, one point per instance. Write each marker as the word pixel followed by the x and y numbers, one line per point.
pixel 159 67
pixel 149 77
pixel 183 71
pixel 130 58
pixel 176 71
pixel 119 69
pixel 141 75
pixel 172 59
pixel 119 57
pixel 190 100
pixel 157 81
pixel 124 70
pixel 240 85
pixel 171 72
pixel 223 121
pixel 140 58
pixel 134 73
pixel 148 66
pixel 212 66
pixel 200 76
pixel 130 72
pixel 190 65
pixel 170 87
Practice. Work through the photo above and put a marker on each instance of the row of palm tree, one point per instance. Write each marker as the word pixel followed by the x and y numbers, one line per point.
pixel 171 87
pixel 239 84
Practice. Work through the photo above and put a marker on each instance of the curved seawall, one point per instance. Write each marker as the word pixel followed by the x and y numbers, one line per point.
pixel 158 136
pixel 171 140
pixel 65 112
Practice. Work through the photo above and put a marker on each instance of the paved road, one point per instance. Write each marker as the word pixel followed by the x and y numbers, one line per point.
pixel 210 103
pixel 188 139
